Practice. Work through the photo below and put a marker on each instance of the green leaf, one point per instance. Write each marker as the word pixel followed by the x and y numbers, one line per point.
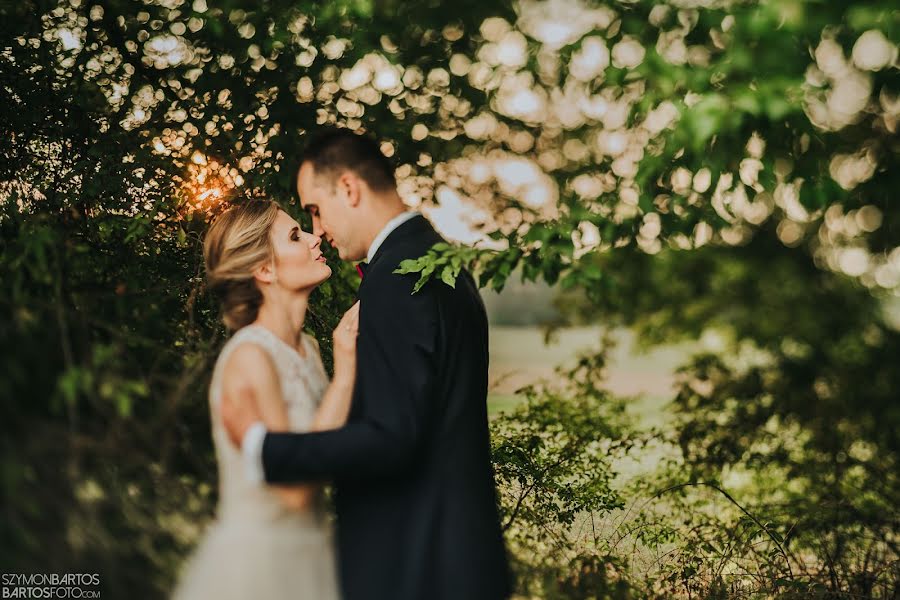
pixel 448 277
pixel 408 266
pixel 421 282
pixel 123 404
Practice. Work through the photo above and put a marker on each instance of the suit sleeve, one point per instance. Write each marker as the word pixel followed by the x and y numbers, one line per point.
pixel 394 393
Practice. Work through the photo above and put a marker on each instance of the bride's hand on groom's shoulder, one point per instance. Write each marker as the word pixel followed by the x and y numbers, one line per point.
pixel 345 344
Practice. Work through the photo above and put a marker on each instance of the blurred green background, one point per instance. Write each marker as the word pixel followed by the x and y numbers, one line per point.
pixel 683 215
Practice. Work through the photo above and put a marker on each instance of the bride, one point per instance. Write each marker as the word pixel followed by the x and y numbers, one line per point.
pixel 269 541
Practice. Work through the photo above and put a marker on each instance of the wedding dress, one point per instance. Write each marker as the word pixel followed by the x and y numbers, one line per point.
pixel 257 548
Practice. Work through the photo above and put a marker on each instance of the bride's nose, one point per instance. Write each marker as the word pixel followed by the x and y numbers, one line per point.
pixel 315 241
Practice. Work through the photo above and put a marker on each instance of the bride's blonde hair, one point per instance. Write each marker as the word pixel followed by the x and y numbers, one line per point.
pixel 238 242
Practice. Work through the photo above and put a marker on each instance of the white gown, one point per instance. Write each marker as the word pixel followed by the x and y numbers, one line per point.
pixel 256 548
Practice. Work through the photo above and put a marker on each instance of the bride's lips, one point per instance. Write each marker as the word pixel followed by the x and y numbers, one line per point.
pixel 322 259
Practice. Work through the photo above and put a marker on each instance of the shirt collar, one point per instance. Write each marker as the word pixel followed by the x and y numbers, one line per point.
pixel 387 230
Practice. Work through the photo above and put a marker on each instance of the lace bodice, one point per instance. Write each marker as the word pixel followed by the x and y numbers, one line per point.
pixel 303 382
pixel 257 548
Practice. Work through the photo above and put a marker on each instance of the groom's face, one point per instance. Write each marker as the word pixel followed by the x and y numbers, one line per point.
pixel 331 206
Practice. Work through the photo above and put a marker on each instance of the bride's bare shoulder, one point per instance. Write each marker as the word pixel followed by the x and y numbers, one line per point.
pixel 248 364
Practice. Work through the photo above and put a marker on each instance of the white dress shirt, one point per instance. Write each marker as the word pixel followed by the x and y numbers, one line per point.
pixel 252 445
pixel 387 230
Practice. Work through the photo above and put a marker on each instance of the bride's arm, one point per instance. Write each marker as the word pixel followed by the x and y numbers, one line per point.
pixel 335 405
pixel 250 376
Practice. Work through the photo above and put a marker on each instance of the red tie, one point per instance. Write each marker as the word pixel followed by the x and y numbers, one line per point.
pixel 361 269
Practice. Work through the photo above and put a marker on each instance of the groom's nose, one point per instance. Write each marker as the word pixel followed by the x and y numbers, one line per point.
pixel 317 226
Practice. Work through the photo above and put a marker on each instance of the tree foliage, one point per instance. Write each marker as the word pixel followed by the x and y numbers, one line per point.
pixel 793 408
pixel 679 167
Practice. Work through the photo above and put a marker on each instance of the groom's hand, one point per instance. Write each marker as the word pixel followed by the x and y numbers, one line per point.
pixel 238 414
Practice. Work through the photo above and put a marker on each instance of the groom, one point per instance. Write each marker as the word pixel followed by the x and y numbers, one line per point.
pixel 414 488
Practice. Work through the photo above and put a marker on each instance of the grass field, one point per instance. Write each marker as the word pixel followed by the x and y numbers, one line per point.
pixel 519 357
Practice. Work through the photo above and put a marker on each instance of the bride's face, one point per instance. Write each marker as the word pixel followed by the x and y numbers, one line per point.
pixel 299 263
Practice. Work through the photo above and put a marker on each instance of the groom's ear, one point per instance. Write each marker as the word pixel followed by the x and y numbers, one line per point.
pixel 349 187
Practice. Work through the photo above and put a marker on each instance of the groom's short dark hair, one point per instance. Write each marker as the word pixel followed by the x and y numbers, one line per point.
pixel 335 150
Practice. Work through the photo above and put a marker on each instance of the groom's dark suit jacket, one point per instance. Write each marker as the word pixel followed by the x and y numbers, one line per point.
pixel 414 486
